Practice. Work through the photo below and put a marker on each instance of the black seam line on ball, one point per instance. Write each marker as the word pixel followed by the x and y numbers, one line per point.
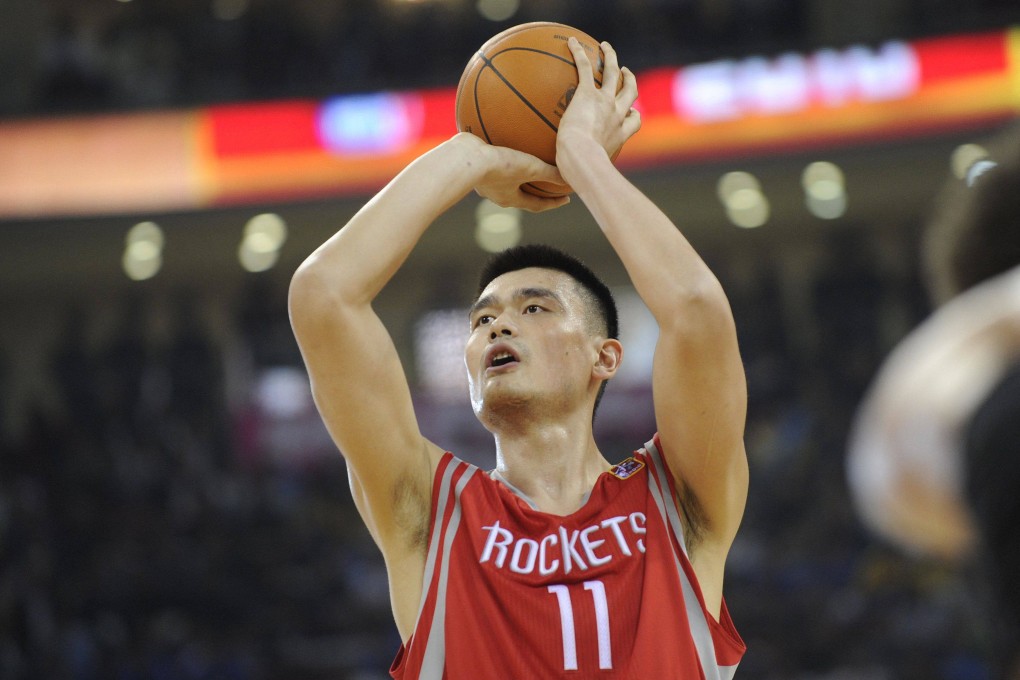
pixel 489 64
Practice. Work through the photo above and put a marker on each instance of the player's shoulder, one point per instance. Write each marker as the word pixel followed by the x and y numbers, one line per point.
pixel 451 475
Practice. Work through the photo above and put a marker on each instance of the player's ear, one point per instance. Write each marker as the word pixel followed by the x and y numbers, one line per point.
pixel 609 358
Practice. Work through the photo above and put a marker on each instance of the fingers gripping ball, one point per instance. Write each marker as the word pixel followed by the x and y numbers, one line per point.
pixel 515 89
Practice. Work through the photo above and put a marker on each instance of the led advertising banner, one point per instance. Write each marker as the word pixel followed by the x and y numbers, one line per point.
pixel 262 152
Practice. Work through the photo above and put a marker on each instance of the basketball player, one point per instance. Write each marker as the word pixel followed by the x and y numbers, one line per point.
pixel 554 564
pixel 934 464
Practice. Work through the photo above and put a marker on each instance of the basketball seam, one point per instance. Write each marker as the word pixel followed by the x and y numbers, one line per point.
pixel 551 194
pixel 478 109
pixel 598 81
pixel 488 62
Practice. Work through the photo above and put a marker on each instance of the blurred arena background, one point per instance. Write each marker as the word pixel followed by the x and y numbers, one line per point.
pixel 170 506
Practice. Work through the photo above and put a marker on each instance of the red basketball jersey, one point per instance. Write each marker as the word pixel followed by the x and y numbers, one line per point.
pixel 606 592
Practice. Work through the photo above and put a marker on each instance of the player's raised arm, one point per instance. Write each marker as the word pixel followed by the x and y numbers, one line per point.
pixel 359 385
pixel 699 386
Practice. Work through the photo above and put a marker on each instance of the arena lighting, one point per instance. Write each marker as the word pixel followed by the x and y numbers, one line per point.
pixel 496 228
pixel 748 208
pixel 265 232
pixel 260 248
pixel 497 10
pixel 145 231
pixel 733 182
pixel 824 190
pixel 255 261
pixel 741 195
pixel 143 251
pixel 964 157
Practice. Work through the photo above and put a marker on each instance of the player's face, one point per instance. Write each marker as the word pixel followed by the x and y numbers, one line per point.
pixel 530 344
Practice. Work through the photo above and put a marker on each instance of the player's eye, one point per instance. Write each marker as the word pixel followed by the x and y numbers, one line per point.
pixel 483 320
pixel 531 309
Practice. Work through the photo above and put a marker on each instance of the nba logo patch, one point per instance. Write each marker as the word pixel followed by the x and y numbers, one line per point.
pixel 626 468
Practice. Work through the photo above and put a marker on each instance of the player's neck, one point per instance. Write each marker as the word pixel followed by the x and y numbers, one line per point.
pixel 554 466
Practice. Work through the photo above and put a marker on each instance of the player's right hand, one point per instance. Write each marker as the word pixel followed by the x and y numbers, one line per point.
pixel 505 170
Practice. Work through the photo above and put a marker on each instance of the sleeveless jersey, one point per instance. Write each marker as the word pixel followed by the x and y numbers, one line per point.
pixel 606 592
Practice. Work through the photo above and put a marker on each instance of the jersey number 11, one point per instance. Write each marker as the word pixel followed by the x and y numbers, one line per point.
pixel 598 596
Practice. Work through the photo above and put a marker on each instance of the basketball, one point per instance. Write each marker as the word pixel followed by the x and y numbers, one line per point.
pixel 515 89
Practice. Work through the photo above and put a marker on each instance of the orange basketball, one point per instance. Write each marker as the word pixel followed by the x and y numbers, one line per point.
pixel 515 89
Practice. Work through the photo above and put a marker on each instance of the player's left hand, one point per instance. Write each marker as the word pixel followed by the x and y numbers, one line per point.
pixel 604 114
pixel 503 172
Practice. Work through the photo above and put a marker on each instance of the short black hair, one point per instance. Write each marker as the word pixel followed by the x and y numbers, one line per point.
pixel 596 294
pixel 547 257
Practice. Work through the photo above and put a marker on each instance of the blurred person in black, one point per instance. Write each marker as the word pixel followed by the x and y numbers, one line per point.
pixel 933 460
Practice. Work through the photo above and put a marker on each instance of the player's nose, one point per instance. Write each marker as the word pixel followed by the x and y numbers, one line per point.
pixel 502 328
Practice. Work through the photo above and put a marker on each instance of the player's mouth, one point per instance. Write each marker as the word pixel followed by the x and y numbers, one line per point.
pixel 499 357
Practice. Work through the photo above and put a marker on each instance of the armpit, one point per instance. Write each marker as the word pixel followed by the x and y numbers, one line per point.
pixel 411 509
pixel 692 516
